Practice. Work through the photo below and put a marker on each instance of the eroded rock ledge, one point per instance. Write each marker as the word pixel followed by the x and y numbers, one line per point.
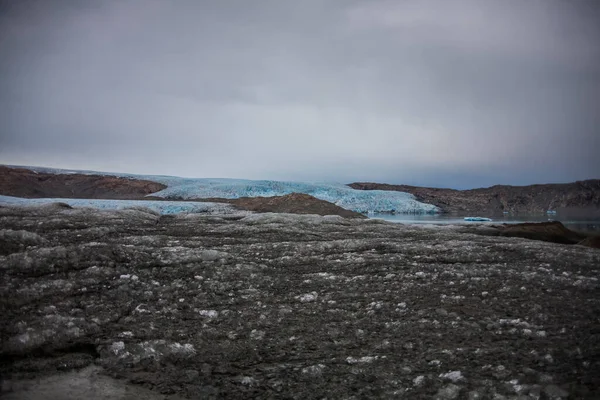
pixel 277 305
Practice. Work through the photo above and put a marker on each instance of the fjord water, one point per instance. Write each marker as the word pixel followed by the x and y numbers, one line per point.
pixel 574 222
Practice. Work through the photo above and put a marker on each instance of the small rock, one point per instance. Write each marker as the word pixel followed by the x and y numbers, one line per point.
pixel 209 313
pixel 555 392
pixel 211 255
pixel 419 380
pixel 248 381
pixel 448 392
pixel 257 335
pixel 191 375
pixel 314 370
pixel 206 369
pixel 453 376
pixel 474 395
pixel 406 370
pixel 535 391
pixel 308 297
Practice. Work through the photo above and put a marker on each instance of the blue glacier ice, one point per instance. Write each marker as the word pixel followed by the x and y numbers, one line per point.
pixel 162 207
pixel 364 201
pixel 478 219
pixel 339 194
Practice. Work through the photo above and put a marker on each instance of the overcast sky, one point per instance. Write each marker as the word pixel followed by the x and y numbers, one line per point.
pixel 444 93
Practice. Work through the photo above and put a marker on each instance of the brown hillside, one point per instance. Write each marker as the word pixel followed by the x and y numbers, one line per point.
pixel 21 182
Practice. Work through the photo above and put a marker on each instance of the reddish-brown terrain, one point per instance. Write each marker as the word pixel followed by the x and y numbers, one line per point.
pixel 21 182
pixel 582 196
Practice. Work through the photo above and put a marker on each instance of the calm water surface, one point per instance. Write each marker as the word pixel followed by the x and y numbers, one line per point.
pixel 580 223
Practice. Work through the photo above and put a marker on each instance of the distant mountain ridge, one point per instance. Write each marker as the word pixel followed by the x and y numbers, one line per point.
pixel 580 196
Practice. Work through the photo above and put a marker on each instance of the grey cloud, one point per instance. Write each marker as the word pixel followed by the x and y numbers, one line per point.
pixel 463 94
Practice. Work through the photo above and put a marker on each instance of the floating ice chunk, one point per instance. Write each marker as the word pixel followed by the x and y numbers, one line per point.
pixel 478 219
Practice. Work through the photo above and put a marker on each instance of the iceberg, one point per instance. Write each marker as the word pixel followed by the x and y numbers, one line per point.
pixel 363 201
pixel 478 219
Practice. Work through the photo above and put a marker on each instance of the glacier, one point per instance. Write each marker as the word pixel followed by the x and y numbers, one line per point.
pixel 363 201
pixel 356 200
pixel 161 207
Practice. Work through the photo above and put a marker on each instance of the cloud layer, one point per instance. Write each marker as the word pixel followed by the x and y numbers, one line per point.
pixel 460 94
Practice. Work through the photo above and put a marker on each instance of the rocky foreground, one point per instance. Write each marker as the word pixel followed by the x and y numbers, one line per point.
pixel 289 306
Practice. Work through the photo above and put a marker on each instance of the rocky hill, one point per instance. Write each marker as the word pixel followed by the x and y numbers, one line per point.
pixel 21 182
pixel 580 196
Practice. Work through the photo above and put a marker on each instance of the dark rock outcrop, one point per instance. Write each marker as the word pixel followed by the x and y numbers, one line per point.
pixel 21 182
pixel 554 232
pixel 592 241
pixel 583 196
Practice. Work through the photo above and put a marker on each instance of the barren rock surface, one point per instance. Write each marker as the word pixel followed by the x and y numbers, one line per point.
pixel 553 231
pixel 291 306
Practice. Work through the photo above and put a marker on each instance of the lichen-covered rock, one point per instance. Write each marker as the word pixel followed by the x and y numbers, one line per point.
pixel 295 306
